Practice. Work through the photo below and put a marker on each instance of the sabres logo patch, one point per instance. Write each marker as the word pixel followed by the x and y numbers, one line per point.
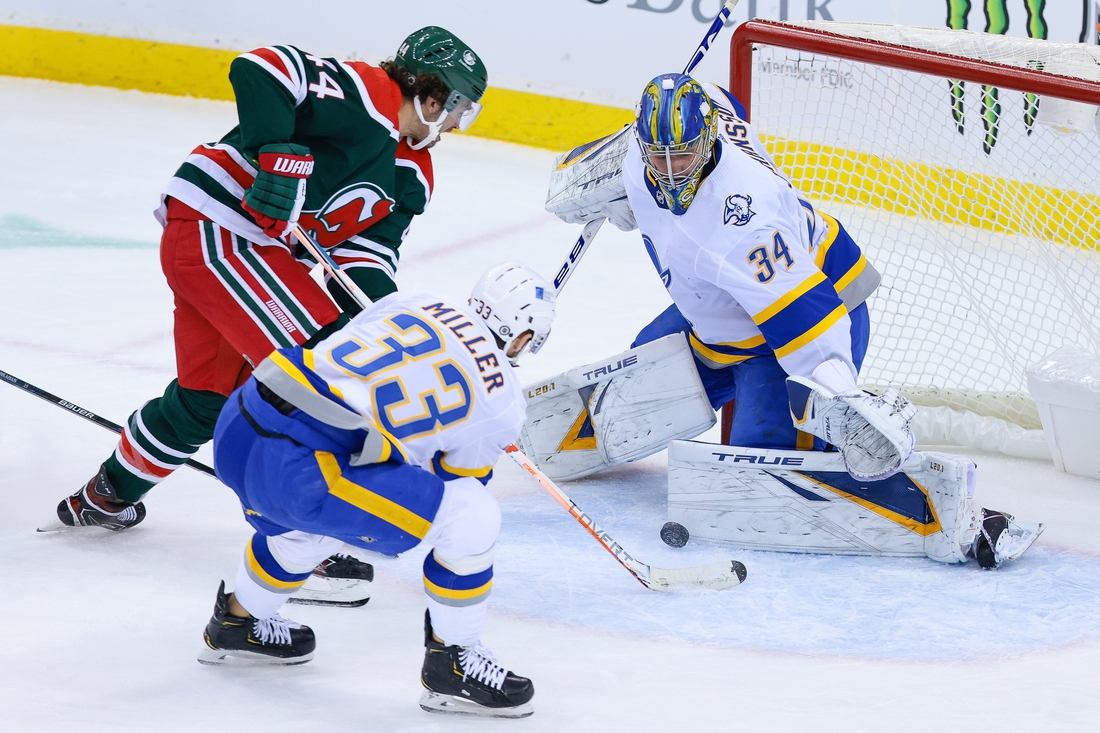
pixel 738 212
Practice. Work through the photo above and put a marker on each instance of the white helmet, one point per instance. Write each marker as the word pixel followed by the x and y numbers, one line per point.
pixel 514 299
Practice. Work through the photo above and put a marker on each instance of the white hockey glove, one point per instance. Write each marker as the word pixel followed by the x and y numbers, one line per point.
pixel 870 431
pixel 587 183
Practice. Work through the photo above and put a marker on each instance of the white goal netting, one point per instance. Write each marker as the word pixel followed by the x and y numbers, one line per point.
pixel 983 218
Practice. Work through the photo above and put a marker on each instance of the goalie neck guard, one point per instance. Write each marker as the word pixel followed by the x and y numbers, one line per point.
pixel 676 128
pixel 513 299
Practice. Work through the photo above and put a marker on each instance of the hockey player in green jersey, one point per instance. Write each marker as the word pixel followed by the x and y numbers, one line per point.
pixel 340 147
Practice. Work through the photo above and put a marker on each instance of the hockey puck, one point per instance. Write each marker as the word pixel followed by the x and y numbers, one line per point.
pixel 674 534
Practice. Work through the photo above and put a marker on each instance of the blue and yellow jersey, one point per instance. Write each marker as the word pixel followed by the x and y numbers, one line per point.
pixel 425 371
pixel 752 266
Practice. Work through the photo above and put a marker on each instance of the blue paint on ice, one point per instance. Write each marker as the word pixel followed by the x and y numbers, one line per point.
pixel 547 566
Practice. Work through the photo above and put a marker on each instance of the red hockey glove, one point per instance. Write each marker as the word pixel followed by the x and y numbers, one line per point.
pixel 276 197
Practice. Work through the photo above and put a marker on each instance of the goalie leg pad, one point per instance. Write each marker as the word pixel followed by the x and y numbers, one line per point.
pixel 616 410
pixel 950 482
pixel 803 501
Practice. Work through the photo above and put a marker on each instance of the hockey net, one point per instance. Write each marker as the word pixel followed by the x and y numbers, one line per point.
pixel 936 150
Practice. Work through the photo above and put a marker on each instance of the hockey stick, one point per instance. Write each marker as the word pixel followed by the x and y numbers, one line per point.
pixel 325 260
pixel 716 576
pixel 712 33
pixel 575 254
pixel 590 229
pixel 86 414
pixel 312 247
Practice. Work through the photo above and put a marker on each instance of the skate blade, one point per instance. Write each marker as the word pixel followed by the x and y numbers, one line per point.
pixel 337 592
pixel 1023 536
pixel 433 702
pixel 55 526
pixel 241 658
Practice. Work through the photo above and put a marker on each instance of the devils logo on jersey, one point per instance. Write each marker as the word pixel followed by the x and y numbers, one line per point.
pixel 348 212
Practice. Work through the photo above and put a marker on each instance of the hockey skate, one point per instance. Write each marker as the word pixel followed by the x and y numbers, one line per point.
pixel 341 580
pixel 251 641
pixel 1001 538
pixel 468 681
pixel 96 505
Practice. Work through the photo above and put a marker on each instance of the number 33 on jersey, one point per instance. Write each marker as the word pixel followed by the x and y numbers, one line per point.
pixel 430 374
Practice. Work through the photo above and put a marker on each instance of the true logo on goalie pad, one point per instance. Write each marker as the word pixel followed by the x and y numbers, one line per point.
pixel 759 460
pixel 738 212
pixel 609 369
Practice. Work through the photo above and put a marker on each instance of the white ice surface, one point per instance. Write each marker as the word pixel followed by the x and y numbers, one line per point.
pixel 101 630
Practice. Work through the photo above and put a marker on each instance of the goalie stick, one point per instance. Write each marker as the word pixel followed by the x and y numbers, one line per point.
pixel 592 227
pixel 575 254
pixel 716 576
pixel 86 414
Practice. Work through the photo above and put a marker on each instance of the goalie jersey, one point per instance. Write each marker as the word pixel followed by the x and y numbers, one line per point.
pixel 366 185
pixel 426 371
pixel 754 268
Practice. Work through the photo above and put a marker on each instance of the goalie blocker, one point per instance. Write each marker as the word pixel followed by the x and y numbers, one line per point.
pixel 806 501
pixel 615 410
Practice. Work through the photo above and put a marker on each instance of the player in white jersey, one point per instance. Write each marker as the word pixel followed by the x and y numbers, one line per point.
pixel 771 296
pixel 384 436
pixel 763 285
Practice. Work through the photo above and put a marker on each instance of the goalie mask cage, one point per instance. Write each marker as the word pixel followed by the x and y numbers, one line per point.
pixel 935 150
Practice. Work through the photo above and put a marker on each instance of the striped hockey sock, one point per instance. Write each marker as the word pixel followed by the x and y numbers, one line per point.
pixel 160 437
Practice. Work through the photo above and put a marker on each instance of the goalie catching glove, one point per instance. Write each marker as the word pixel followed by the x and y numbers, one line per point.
pixel 871 431
pixel 276 197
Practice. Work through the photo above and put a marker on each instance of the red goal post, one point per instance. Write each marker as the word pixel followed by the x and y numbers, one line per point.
pixel 786 35
pixel 1002 392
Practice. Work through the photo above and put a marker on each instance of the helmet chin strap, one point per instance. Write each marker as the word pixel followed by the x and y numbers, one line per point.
pixel 434 128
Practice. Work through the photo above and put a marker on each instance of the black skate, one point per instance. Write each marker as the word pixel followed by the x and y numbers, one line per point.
pixel 234 640
pixel 341 580
pixel 468 681
pixel 1002 538
pixel 79 510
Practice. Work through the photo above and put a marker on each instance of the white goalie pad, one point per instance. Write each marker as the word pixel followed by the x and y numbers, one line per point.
pixel 587 183
pixel 805 501
pixel 615 410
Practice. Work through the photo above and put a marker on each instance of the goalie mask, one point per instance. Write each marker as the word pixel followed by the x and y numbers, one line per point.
pixel 676 127
pixel 437 51
pixel 513 299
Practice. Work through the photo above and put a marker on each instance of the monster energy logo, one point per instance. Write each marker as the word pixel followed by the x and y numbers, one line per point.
pixel 996 21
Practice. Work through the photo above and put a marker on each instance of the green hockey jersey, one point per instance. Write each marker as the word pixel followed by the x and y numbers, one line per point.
pixel 367 183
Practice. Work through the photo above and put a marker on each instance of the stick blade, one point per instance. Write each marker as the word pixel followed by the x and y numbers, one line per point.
pixel 716 576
